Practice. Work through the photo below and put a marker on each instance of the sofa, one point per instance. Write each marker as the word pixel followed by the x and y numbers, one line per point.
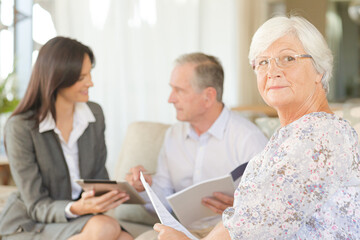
pixel 142 144
pixel 149 136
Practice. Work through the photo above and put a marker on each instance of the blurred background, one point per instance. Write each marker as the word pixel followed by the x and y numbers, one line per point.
pixel 136 41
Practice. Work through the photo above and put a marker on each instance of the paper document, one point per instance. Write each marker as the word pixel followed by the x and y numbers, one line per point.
pixel 187 206
pixel 165 217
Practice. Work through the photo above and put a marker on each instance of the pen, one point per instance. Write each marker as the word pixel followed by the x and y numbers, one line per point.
pixel 145 173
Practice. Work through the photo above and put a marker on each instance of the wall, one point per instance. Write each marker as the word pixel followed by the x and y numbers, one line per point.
pixel 314 11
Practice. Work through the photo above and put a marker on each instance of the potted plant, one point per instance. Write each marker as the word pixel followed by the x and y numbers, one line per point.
pixel 8 102
pixel 8 96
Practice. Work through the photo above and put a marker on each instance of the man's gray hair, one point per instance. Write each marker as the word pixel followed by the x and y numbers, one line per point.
pixel 311 39
pixel 208 70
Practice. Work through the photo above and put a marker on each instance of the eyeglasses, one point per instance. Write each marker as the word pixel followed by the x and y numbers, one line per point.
pixel 261 64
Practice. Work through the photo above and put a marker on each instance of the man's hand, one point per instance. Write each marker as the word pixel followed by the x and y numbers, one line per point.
pixel 133 178
pixel 88 203
pixel 168 233
pixel 218 203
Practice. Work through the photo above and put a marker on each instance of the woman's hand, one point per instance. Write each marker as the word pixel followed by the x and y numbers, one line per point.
pixel 168 233
pixel 88 203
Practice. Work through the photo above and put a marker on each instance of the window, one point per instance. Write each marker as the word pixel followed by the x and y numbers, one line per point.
pixel 6 38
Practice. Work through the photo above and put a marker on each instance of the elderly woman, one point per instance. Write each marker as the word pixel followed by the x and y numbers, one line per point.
pixel 305 183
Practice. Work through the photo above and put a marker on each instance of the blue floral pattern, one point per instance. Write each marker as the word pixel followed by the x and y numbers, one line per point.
pixel 305 184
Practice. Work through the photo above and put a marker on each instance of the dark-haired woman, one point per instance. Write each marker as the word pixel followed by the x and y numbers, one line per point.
pixel 54 137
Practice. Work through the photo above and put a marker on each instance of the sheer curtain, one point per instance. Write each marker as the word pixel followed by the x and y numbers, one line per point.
pixel 135 43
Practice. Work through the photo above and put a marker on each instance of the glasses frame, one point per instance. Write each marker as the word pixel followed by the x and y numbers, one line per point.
pixel 277 60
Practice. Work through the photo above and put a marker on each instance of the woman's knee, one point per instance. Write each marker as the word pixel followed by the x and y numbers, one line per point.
pixel 102 226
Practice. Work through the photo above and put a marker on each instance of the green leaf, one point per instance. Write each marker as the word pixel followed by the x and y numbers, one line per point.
pixel 7 86
pixel 9 106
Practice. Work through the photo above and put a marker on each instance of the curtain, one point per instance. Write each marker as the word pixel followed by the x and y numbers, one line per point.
pixel 136 42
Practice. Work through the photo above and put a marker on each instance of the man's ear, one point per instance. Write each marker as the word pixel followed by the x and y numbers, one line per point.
pixel 210 95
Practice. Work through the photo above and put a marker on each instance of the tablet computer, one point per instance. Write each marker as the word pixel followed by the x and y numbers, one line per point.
pixel 101 186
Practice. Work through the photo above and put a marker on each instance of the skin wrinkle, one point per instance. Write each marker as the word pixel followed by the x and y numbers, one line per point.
pixel 296 96
pixel 199 108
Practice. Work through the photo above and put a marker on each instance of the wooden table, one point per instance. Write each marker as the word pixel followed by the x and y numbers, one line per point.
pixel 4 170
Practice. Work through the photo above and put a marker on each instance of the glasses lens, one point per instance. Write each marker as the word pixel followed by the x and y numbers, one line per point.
pixel 286 60
pixel 261 63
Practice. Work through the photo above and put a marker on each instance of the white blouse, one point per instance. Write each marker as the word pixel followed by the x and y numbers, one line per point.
pixel 82 117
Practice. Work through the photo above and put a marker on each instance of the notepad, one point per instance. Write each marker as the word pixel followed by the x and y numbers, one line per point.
pixel 186 204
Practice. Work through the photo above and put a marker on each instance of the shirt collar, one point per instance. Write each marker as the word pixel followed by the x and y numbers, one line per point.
pixel 82 114
pixel 217 129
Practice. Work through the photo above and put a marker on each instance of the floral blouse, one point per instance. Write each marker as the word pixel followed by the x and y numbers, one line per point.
pixel 305 184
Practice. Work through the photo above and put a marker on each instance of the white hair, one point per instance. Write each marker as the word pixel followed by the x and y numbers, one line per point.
pixel 311 39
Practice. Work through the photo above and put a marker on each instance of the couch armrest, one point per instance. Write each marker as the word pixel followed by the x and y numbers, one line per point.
pixel 5 192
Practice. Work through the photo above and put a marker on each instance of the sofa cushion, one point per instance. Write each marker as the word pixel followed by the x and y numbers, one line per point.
pixel 351 112
pixel 5 192
pixel 268 125
pixel 135 213
pixel 141 146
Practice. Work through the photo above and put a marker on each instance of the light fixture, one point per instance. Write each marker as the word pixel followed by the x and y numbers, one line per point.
pixel 99 11
pixel 144 11
pixel 43 26
pixel 354 11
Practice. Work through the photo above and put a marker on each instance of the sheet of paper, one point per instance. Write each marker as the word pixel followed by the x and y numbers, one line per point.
pixel 165 217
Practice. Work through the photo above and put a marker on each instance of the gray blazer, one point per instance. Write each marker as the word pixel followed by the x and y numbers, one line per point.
pixel 40 172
